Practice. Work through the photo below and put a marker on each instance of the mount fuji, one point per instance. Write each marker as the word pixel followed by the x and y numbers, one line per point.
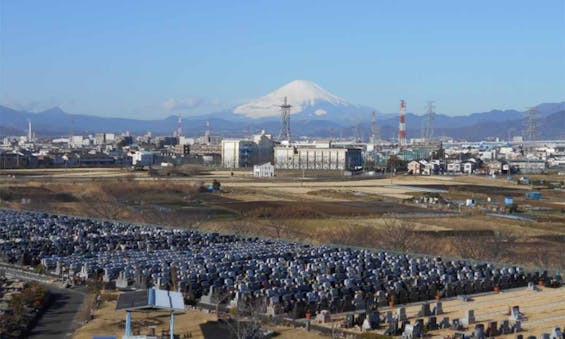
pixel 308 100
pixel 315 112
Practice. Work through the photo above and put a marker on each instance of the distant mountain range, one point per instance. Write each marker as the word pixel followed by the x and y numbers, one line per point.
pixel 314 112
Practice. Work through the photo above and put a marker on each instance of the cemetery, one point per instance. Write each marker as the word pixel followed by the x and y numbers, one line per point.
pixel 278 278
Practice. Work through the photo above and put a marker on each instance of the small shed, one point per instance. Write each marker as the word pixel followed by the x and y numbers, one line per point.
pixel 264 170
pixel 533 195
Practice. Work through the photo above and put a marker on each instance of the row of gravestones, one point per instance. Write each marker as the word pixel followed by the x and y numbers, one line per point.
pixel 299 308
pixel 481 333
pixel 345 304
pixel 402 296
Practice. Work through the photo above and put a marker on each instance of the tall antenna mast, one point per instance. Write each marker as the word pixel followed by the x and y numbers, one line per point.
pixel 285 121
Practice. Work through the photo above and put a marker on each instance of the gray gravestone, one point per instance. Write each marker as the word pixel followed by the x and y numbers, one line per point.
pixel 122 281
pixel 401 314
pixel 469 317
pixel 438 308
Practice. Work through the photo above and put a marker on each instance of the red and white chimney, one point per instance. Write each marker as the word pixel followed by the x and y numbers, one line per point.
pixel 402 124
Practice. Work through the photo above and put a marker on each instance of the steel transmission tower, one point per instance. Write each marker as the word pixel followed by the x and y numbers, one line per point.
pixel 285 121
pixel 179 127
pixel 531 131
pixel 429 122
pixel 375 135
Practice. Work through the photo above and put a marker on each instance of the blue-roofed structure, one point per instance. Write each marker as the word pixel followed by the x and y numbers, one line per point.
pixel 151 299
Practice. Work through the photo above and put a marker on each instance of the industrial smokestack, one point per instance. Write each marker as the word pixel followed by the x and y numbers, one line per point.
pixel 29 134
pixel 402 124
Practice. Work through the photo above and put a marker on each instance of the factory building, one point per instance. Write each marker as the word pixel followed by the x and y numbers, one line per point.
pixel 320 156
pixel 144 158
pixel 241 153
pixel 104 138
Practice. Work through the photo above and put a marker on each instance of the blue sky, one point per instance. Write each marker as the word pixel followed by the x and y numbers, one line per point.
pixel 149 59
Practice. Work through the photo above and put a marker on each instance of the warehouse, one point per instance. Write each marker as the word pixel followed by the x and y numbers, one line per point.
pixel 318 156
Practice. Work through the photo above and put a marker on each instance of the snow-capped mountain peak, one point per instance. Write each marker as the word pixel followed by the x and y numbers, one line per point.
pixel 302 95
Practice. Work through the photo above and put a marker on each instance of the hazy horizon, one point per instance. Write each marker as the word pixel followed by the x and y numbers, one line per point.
pixel 188 116
pixel 149 61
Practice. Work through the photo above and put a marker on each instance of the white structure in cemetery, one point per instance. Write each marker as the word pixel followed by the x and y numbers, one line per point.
pixel 241 153
pixel 264 170
pixel 318 156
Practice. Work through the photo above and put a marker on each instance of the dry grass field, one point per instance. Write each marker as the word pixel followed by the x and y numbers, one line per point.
pixel 353 211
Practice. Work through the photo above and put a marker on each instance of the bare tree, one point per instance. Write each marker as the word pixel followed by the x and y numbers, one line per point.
pixel 466 246
pixel 105 207
pixel 353 235
pixel 542 256
pixel 244 321
pixel 398 235
pixel 501 247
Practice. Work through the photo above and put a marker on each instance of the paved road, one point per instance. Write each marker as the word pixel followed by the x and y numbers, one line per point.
pixel 57 321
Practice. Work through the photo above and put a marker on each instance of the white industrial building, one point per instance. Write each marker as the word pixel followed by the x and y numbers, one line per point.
pixel 241 153
pixel 264 171
pixel 104 138
pixel 318 156
pixel 143 158
pixel 529 166
pixel 76 141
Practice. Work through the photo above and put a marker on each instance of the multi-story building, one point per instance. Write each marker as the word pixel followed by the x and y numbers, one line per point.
pixel 242 153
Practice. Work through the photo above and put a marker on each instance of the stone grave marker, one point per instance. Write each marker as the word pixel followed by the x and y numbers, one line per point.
pixel 469 317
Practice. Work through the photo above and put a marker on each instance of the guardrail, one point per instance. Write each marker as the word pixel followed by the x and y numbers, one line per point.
pixel 21 273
